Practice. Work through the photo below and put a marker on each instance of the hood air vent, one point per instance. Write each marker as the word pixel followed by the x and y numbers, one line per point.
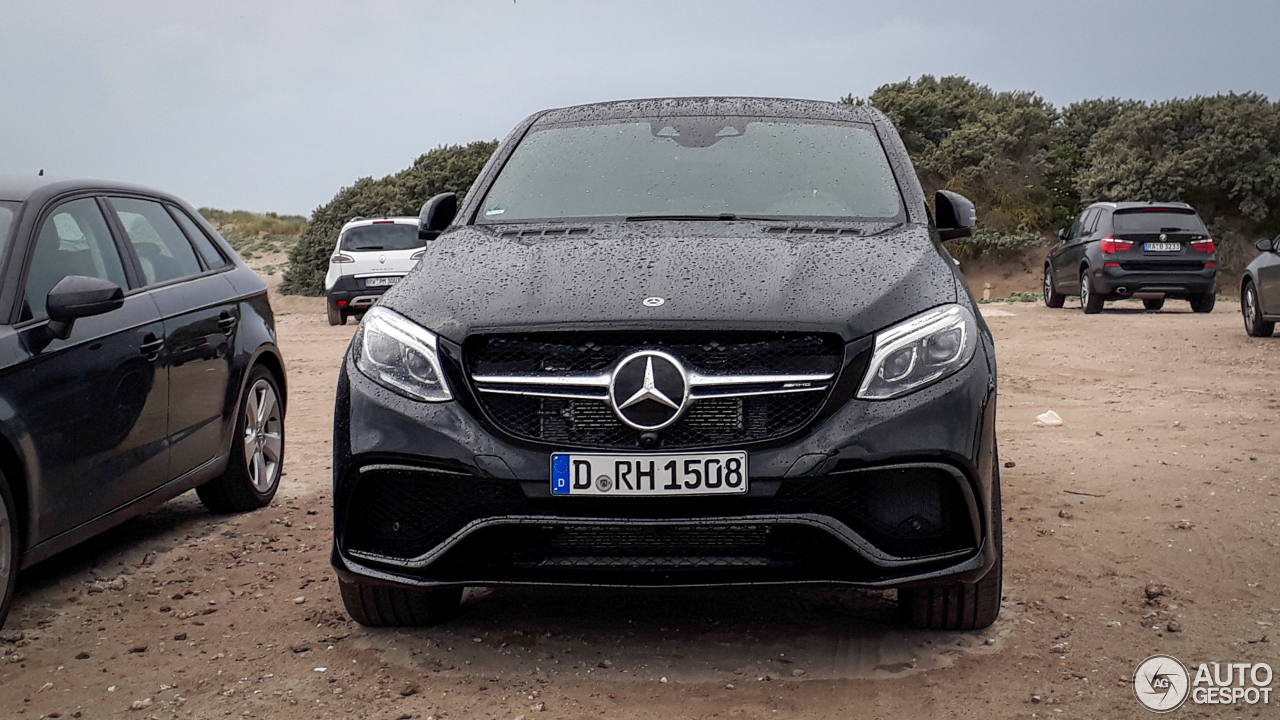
pixel 549 232
pixel 799 230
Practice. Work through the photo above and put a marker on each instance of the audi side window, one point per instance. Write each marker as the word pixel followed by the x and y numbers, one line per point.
pixel 212 258
pixel 162 249
pixel 74 240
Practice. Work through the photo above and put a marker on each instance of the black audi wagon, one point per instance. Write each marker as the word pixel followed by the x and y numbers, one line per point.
pixel 670 343
pixel 138 360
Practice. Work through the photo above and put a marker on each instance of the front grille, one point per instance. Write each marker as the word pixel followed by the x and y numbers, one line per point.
pixel 708 352
pixel 739 414
pixel 1162 266
pixel 905 512
pixel 707 423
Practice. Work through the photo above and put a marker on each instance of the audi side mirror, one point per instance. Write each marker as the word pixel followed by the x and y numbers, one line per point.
pixel 1266 245
pixel 955 214
pixel 77 296
pixel 436 215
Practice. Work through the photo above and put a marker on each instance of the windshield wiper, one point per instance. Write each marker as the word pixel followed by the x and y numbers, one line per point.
pixel 719 216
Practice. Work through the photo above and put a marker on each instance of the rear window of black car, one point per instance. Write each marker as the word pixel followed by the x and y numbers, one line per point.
pixel 702 166
pixel 1157 220
pixel 381 236
pixel 8 211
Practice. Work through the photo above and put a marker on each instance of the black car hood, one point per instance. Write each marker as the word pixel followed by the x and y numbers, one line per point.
pixel 724 275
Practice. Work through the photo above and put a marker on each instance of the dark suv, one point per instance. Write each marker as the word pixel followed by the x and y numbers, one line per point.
pixel 1150 251
pixel 669 343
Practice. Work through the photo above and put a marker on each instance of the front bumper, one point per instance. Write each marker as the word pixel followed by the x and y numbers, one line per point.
pixel 430 494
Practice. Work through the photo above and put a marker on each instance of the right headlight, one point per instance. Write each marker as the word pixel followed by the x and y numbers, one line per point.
pixel 400 355
pixel 920 351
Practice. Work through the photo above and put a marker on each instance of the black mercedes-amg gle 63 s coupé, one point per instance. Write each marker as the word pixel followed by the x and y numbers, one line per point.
pixel 672 343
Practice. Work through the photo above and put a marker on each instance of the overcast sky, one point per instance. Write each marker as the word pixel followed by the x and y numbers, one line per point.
pixel 272 105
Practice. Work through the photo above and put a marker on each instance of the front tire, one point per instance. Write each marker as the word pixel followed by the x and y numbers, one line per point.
pixel 1153 304
pixel 388 606
pixel 257 450
pixel 962 606
pixel 1251 308
pixel 1090 299
pixel 1052 298
pixel 336 315
pixel 1203 303
pixel 9 548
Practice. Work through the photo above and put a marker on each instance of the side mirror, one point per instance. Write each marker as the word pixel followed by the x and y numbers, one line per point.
pixel 78 296
pixel 1062 233
pixel 955 213
pixel 436 215
pixel 1265 245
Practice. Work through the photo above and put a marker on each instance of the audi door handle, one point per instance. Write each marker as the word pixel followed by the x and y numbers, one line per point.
pixel 151 347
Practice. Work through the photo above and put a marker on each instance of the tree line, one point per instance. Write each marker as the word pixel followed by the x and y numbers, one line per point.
pixel 1030 167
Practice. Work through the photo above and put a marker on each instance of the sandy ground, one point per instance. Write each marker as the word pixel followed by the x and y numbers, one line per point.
pixel 1165 471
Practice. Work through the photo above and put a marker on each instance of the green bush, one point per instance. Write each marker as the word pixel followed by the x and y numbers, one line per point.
pixel 996 245
pixel 450 168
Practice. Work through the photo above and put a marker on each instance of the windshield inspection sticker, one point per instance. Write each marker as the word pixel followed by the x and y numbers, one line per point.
pixel 494 211
pixel 1162 684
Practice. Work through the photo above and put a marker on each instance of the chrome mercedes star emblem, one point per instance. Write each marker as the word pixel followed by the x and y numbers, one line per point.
pixel 649 390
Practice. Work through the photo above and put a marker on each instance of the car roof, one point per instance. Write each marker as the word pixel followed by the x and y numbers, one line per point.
pixel 398 220
pixel 713 106
pixel 1126 205
pixel 22 188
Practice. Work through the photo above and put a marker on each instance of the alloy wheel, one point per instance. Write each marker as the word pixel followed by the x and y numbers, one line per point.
pixel 1085 291
pixel 1048 283
pixel 1250 308
pixel 263 436
pixel 6 551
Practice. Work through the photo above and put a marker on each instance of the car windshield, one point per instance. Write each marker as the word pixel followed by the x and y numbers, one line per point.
pixel 696 167
pixel 1157 220
pixel 8 211
pixel 382 236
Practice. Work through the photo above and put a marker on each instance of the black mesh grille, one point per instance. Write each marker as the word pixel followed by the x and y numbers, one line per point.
pixel 905 512
pixel 707 352
pixel 707 423
pixel 678 553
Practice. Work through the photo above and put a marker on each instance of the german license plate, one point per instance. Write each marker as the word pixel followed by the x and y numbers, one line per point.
pixel 1162 247
pixel 721 473
pixel 381 281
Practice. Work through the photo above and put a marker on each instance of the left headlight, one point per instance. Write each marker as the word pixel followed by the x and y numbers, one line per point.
pixel 920 351
pixel 400 355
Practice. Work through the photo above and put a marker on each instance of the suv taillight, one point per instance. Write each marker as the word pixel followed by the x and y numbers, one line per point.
pixel 1110 245
pixel 340 258
pixel 1204 246
pixel 418 255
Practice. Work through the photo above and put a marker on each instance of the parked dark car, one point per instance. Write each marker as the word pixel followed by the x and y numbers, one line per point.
pixel 138 360
pixel 1260 290
pixel 1151 251
pixel 676 342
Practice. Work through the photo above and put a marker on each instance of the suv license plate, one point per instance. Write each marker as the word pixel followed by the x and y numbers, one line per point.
pixel 721 473
pixel 1162 247
pixel 381 281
